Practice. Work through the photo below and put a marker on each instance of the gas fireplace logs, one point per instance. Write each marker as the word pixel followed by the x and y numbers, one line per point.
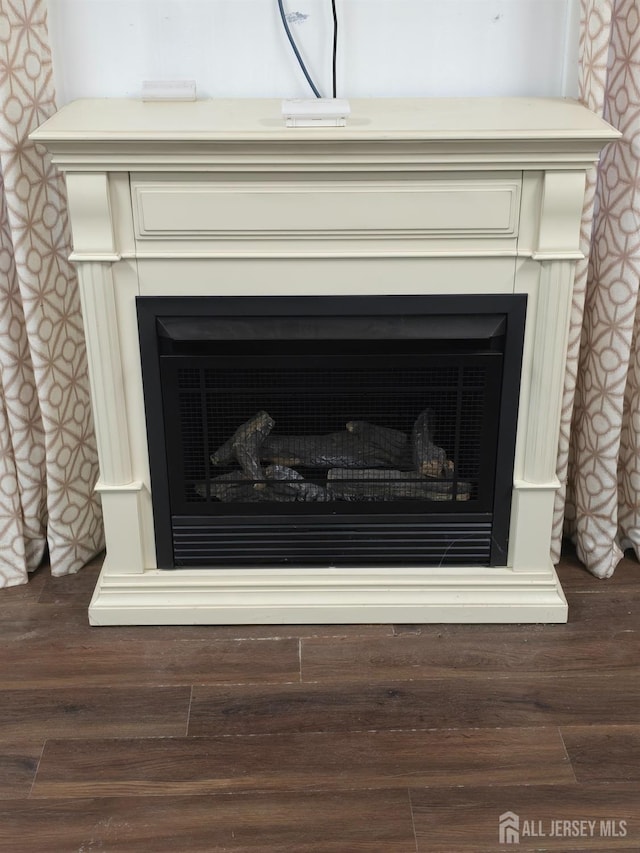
pixel 371 484
pixel 363 462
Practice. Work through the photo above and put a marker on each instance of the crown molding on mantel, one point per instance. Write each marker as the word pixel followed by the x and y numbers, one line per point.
pixel 394 134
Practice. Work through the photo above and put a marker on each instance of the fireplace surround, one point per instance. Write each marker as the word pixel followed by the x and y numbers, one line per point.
pixel 218 207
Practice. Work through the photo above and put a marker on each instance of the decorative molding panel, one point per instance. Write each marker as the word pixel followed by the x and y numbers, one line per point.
pixel 323 209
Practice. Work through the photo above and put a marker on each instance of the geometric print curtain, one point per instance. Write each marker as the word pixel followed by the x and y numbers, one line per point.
pixel 599 455
pixel 48 460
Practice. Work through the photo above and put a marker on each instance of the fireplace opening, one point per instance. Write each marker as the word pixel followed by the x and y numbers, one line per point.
pixel 338 431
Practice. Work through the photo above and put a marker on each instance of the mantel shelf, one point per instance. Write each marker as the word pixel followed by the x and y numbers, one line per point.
pixel 397 133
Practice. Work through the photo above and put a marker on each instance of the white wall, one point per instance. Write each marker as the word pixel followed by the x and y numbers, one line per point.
pixel 236 48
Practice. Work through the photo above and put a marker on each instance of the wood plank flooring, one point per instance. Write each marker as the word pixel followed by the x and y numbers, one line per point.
pixel 381 738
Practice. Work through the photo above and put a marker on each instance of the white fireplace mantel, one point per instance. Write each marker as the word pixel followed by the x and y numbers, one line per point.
pixel 412 197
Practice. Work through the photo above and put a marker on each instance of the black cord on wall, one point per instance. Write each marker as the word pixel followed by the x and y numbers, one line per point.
pixel 296 51
pixel 294 47
pixel 335 46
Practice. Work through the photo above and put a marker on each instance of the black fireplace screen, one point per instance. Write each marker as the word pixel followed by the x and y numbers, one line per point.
pixel 373 433
pixel 363 431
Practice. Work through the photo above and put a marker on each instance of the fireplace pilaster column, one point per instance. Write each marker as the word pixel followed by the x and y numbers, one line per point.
pixel 95 252
pixel 547 375
pixel 105 366
pixel 554 254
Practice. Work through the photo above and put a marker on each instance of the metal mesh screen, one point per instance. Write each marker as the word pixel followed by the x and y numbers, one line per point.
pixel 321 434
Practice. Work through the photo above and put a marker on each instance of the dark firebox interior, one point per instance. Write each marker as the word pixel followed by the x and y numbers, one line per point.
pixel 331 431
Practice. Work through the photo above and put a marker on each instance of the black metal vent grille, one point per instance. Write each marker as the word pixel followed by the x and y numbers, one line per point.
pixel 339 542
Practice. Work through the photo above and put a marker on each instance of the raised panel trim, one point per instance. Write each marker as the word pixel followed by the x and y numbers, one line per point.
pixel 371 209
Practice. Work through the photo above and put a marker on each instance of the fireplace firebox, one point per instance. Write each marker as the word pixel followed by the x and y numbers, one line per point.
pixel 334 431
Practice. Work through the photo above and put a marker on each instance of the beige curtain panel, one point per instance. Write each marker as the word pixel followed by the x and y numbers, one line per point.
pixel 48 460
pixel 599 457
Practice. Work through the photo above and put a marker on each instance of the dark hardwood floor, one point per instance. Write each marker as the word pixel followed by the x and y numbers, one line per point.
pixel 382 738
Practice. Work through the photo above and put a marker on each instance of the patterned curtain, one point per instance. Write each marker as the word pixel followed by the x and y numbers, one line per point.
pixel 48 460
pixel 599 456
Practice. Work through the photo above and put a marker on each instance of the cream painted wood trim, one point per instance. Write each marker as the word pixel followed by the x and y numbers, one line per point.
pixel 463 595
pixel 294 276
pixel 327 209
pixel 153 156
pixel 105 371
pixel 560 214
pixel 391 248
pixel 123 508
pixel 558 256
pixel 90 212
pixel 547 370
pixel 95 257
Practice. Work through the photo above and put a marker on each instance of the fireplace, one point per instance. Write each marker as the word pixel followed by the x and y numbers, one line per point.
pixel 339 430
pixel 326 363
